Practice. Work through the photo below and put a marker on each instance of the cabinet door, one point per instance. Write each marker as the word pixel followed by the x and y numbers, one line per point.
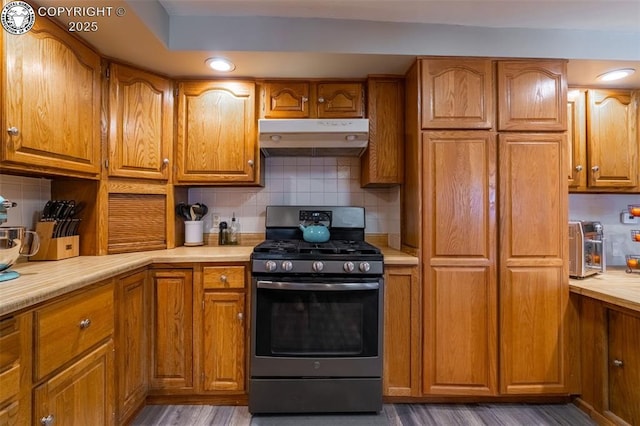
pixel 534 285
pixel 382 162
pixel 15 370
pixel 460 289
pixel 532 95
pixel 577 138
pixel 287 99
pixel 402 340
pixel 613 139
pixel 131 343
pixel 51 100
pixel 141 123
pixel 457 93
pixel 171 328
pixel 624 367
pixel 224 341
pixel 216 133
pixel 82 394
pixel 340 100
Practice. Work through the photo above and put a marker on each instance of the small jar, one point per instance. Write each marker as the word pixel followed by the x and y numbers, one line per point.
pixel 223 235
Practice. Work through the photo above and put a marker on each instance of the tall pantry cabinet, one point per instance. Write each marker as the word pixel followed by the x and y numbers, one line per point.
pixel 486 198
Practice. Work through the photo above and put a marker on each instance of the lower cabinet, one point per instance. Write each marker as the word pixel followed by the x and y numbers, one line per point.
pixel 131 344
pixel 223 328
pixel 172 329
pixel 81 394
pixel 15 370
pixel 610 361
pixel 402 332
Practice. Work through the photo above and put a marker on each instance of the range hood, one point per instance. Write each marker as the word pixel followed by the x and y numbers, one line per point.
pixel 313 138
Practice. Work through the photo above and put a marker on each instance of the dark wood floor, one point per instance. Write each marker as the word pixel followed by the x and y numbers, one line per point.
pixel 392 415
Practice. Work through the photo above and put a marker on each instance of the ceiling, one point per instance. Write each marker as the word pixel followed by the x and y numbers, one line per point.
pixel 354 38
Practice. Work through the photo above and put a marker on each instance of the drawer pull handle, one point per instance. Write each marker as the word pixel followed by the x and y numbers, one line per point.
pixel 85 323
pixel 223 278
pixel 47 420
pixel 617 363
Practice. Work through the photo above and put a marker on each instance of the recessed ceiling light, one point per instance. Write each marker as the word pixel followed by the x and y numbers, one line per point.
pixel 220 64
pixel 616 74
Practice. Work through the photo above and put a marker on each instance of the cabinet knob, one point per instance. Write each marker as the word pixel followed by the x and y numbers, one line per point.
pixel 305 99
pixel 240 316
pixel 13 131
pixel 618 363
pixel 579 168
pixel 250 163
pixel 595 168
pixel 320 100
pixel 165 161
pixel 85 323
pixel 223 278
pixel 48 420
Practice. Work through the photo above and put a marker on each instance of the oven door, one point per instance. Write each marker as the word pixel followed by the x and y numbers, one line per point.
pixel 313 329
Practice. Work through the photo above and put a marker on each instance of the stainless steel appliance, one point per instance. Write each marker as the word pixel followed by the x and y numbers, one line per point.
pixel 586 249
pixel 316 328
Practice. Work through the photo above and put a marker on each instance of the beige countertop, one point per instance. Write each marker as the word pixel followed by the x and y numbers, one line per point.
pixel 41 281
pixel 614 286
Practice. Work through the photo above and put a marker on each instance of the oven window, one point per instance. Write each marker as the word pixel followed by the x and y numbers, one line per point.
pixel 316 323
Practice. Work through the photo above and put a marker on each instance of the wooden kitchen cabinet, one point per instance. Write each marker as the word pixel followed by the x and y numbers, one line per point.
pixel 460 283
pixel 131 344
pixel 624 366
pixel 81 394
pixel 223 329
pixel 171 329
pixel 402 338
pixel 216 135
pixel 313 99
pixel 382 162
pixel 457 93
pixel 74 359
pixel 534 287
pixel 51 103
pixel 609 360
pixel 532 95
pixel 603 141
pixel 15 370
pixel 140 124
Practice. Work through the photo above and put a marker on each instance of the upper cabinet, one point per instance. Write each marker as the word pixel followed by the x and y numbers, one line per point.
pixel 306 99
pixel 532 95
pixel 216 140
pixel 51 103
pixel 603 140
pixel 457 93
pixel 382 162
pixel 140 124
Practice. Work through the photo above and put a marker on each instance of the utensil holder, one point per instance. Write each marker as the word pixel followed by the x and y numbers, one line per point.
pixel 193 233
pixel 55 248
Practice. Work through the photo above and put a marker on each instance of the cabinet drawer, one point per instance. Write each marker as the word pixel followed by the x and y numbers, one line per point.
pixel 223 277
pixel 65 329
pixel 9 342
pixel 10 383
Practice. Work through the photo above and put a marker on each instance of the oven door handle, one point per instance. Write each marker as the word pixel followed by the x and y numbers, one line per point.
pixel 279 285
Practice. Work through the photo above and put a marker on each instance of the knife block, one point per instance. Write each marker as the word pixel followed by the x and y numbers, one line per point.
pixel 55 248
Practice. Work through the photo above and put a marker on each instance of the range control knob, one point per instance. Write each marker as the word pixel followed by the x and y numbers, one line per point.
pixel 365 267
pixel 287 265
pixel 348 267
pixel 317 266
pixel 270 265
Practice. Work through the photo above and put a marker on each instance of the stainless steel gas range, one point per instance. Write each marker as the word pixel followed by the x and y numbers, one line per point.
pixel 316 329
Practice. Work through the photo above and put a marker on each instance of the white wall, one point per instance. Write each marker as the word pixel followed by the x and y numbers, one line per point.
pixel 324 181
pixel 606 208
pixel 31 194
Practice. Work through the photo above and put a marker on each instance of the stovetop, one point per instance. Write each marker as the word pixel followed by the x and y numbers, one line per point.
pixel 292 248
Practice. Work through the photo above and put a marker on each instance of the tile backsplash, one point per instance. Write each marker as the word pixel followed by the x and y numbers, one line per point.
pixel 606 208
pixel 30 194
pixel 320 181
